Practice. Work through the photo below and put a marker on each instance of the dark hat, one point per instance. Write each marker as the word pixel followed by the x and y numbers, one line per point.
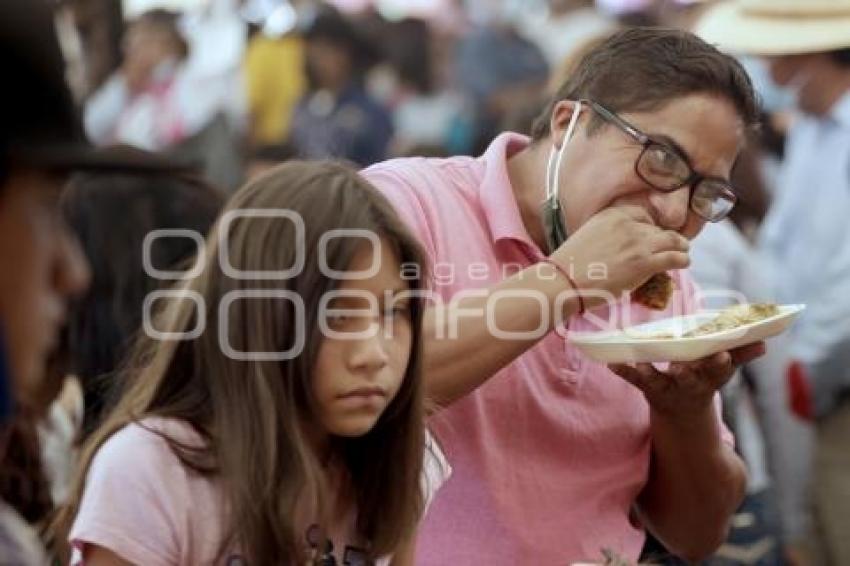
pixel 39 123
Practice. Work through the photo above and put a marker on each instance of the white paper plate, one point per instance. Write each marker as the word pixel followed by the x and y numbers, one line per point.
pixel 638 344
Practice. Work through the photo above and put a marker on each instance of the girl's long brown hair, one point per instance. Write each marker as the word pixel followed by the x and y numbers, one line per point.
pixel 248 412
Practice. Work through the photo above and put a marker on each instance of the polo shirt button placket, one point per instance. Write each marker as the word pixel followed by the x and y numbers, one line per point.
pixel 571 371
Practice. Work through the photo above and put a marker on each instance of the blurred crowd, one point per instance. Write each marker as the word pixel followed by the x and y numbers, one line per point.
pixel 237 84
pixel 232 88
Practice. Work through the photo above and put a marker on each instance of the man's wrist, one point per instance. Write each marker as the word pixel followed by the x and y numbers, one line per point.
pixel 564 273
pixel 564 296
pixel 696 417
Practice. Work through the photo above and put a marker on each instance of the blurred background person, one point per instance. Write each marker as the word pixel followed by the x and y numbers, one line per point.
pixel 497 70
pixel 337 117
pixel 90 33
pixel 104 321
pixel 157 101
pixel 274 72
pixel 217 37
pixel 140 105
pixel 633 12
pixel 559 27
pixel 427 112
pixel 41 263
pixel 41 447
pixel 768 527
pixel 805 235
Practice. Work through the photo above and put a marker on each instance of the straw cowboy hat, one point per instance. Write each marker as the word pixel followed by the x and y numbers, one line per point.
pixel 777 27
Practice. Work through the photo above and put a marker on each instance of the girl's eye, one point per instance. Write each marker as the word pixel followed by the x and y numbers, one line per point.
pixel 338 321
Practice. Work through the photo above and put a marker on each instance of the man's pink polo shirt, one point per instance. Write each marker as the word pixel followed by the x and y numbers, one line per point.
pixel 549 455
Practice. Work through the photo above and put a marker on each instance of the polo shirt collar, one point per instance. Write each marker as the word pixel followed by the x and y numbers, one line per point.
pixel 496 194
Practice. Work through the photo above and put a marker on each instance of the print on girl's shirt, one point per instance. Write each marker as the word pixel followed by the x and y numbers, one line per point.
pixel 323 551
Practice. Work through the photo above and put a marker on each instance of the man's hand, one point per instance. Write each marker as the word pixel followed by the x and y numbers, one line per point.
pixel 625 245
pixel 687 387
pixel 696 481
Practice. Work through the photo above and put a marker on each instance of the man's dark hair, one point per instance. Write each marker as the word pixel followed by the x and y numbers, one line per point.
pixel 642 69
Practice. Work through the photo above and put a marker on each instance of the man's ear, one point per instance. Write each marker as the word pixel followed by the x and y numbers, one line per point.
pixel 562 113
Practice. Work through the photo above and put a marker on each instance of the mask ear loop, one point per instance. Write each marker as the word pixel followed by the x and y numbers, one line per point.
pixel 552 177
pixel 549 170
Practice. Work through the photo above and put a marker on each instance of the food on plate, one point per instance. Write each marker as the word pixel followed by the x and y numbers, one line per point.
pixel 727 319
pixel 655 293
pixel 733 317
pixel 686 338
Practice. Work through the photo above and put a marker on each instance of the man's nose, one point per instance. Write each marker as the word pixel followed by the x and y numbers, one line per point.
pixel 671 208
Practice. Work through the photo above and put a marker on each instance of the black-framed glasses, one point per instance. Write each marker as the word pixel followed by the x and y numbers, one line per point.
pixel 665 169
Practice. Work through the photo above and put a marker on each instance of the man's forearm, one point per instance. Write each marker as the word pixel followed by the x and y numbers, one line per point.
pixel 696 483
pixel 462 344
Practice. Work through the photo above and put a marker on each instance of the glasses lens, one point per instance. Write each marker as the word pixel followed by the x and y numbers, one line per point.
pixel 662 167
pixel 713 200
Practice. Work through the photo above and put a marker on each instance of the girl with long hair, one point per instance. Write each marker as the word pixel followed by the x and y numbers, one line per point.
pixel 285 423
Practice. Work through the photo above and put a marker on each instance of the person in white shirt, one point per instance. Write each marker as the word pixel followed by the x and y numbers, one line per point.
pixel 806 234
pixel 775 446
pixel 157 99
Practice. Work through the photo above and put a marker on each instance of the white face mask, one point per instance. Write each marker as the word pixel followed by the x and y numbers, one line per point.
pixel 553 219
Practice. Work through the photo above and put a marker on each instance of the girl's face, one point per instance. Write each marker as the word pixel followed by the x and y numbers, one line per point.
pixel 366 346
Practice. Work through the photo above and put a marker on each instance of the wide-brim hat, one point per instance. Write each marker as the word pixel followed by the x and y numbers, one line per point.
pixel 777 27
